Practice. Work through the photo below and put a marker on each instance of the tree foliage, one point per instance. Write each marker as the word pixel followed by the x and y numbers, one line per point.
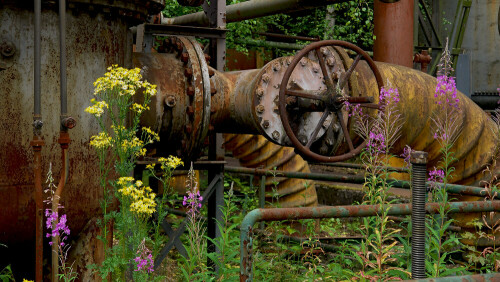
pixel 353 22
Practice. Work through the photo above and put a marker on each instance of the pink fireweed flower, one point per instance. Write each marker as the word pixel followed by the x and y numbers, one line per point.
pixel 388 95
pixel 60 229
pixel 353 109
pixel 144 259
pixel 376 143
pixel 406 155
pixel 193 201
pixel 436 176
pixel 446 92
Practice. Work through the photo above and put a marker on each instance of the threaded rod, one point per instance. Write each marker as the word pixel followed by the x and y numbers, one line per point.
pixel 418 161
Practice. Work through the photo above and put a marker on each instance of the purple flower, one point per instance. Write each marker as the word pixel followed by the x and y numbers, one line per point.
pixel 446 92
pixel 406 155
pixel 192 201
pixel 144 259
pixel 436 175
pixel 376 143
pixel 353 109
pixel 60 226
pixel 388 95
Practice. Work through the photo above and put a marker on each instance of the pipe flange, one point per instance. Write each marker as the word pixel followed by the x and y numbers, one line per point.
pixel 181 109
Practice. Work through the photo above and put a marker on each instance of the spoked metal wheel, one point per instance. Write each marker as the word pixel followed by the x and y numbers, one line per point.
pixel 329 101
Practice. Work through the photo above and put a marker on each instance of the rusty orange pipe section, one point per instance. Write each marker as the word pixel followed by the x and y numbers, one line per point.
pixel 37 145
pixel 64 141
pixel 393 32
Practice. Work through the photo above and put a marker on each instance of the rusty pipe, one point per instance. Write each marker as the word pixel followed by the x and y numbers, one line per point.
pixel 37 143
pixel 250 10
pixel 246 228
pixel 393 29
pixel 62 62
pixel 64 141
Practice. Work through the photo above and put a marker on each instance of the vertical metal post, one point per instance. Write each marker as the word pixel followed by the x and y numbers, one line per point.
pixel 262 196
pixel 418 161
pixel 216 12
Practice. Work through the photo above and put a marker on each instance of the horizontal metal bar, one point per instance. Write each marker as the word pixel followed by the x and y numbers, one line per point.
pixel 278 214
pixel 451 188
pixel 360 166
pixel 269 44
pixel 285 36
pixel 252 9
pixel 466 278
pixel 163 29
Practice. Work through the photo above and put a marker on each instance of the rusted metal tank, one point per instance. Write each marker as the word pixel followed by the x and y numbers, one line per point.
pixel 96 37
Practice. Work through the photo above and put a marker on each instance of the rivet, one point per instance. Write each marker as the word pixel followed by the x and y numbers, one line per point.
pixel 276 66
pixel 265 124
pixel 190 91
pixel 266 78
pixel 260 92
pixel 259 109
pixel 184 58
pixel 190 110
pixel 303 62
pixel 276 135
pixel 170 101
pixel 188 72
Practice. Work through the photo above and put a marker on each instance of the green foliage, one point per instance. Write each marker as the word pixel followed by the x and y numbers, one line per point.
pixel 353 23
pixel 6 274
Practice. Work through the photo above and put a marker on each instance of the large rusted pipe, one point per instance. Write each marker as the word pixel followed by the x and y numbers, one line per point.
pixel 393 29
pixel 250 10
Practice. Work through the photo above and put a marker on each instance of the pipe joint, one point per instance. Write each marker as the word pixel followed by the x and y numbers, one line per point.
pixel 64 139
pixel 68 122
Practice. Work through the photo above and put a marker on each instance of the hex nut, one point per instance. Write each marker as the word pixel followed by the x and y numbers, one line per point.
pixel 276 135
pixel 170 101
pixel 266 78
pixel 265 124
pixel 260 92
pixel 260 109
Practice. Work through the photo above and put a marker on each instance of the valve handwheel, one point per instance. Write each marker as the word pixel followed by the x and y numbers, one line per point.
pixel 331 101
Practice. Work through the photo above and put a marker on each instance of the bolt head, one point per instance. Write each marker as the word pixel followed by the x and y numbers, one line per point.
pixel 7 49
pixel 265 124
pixel 266 78
pixel 275 135
pixel 276 66
pixel 260 92
pixel 170 101
pixel 330 61
pixel 190 91
pixel 418 157
pixel 260 109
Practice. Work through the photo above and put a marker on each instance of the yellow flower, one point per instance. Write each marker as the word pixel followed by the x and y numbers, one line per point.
pixel 142 197
pixel 123 81
pixel 97 108
pixel 101 141
pixel 170 163
pixel 151 136
pixel 138 108
pixel 26 280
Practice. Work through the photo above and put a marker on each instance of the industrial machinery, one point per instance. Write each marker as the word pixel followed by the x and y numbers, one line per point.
pixel 292 101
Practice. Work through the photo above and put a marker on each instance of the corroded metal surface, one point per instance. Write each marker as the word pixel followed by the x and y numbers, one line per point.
pixel 393 29
pixel 255 151
pixel 94 43
pixel 180 111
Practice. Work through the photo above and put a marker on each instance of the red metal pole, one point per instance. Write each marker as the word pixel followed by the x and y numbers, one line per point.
pixel 37 145
pixel 394 32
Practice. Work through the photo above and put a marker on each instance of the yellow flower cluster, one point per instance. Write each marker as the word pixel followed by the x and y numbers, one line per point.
pixel 100 141
pixel 142 196
pixel 151 136
pixel 138 108
pixel 97 108
pixel 134 143
pixel 123 80
pixel 170 163
pixel 26 280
